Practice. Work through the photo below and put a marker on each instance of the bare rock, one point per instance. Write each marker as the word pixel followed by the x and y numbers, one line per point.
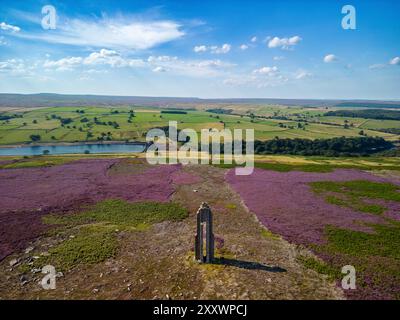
pixel 14 262
pixel 29 249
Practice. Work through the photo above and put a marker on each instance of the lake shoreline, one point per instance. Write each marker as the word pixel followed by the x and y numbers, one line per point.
pixel 110 147
pixel 88 143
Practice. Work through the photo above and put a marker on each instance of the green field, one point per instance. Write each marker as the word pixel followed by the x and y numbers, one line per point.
pixel 117 124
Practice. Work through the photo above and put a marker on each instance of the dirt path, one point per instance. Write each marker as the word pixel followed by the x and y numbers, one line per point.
pixel 158 263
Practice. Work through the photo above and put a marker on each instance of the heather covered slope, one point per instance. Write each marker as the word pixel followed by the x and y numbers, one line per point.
pixel 347 217
pixel 102 257
pixel 148 246
pixel 29 193
pixel 285 203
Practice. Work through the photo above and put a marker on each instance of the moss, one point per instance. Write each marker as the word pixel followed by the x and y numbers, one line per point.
pixel 360 188
pixel 320 165
pixel 375 256
pixel 24 268
pixel 96 238
pixel 320 267
pixel 123 214
pixel 92 245
pixel 230 206
pixel 383 242
pixel 32 164
pixel 268 234
pixel 356 204
pixel 352 194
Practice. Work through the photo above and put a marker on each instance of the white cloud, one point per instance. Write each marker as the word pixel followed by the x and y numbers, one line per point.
pixel 103 57
pixel 266 70
pixel 302 74
pixel 395 61
pixel 267 76
pixel 111 58
pixel 254 39
pixel 284 43
pixel 376 66
pixel 330 58
pixel 161 59
pixel 3 42
pixel 111 33
pixel 17 67
pixel 278 58
pixel 225 48
pixel 256 80
pixel 159 69
pixel 221 50
pixel 244 47
pixel 9 27
pixel 95 71
pixel 198 49
pixel 63 64
pixel 192 68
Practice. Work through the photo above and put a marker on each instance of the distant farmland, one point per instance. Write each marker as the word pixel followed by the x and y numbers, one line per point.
pixel 72 124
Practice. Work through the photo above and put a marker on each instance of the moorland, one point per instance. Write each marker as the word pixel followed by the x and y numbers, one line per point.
pixel 116 227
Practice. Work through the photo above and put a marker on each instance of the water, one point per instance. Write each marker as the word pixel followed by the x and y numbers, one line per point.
pixel 72 149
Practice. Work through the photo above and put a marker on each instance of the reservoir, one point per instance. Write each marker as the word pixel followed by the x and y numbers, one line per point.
pixel 72 149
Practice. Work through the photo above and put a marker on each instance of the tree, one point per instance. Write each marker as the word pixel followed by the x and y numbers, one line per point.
pixel 35 137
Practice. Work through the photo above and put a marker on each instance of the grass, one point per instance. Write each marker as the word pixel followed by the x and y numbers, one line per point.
pixel 96 230
pixel 356 204
pixel 34 163
pixel 318 164
pixel 284 167
pixel 18 130
pixel 231 206
pixel 352 194
pixel 384 242
pixel 360 188
pixel 268 234
pixel 123 214
pixel 92 245
pixel 374 255
pixel 319 266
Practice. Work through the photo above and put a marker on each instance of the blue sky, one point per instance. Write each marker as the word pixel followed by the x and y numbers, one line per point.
pixel 210 49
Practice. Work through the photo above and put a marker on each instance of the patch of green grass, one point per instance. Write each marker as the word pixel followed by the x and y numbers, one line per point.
pixel 96 239
pixel 320 267
pixel 230 206
pixel 360 188
pixel 352 194
pixel 92 245
pixel 283 167
pixel 356 204
pixel 375 256
pixel 383 242
pixel 30 164
pixel 123 214
pixel 309 167
pixel 268 234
